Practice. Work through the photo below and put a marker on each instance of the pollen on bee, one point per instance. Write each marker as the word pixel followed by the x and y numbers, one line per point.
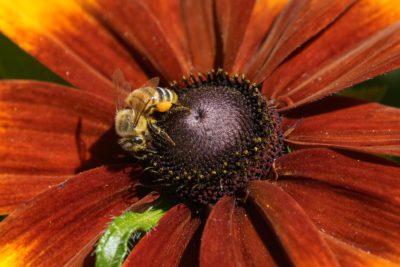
pixel 163 106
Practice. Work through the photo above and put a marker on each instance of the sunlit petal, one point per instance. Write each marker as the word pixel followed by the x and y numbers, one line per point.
pixel 59 225
pixel 263 15
pixel 348 255
pixel 68 39
pixel 362 43
pixel 298 22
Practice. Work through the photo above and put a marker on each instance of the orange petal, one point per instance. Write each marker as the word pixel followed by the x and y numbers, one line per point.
pixel 298 236
pixel 50 132
pixel 298 22
pixel 360 44
pixel 166 243
pixel 362 221
pixel 361 173
pixel 58 226
pixel 141 31
pixel 229 239
pixel 261 19
pixel 351 256
pixel 66 38
pixel 347 123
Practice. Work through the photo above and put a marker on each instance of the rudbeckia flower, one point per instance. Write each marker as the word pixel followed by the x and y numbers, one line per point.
pixel 331 201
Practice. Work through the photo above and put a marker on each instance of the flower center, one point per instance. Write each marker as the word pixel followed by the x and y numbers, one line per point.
pixel 224 134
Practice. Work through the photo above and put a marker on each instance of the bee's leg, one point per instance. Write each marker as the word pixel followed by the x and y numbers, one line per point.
pixel 140 157
pixel 161 132
pixel 179 107
pixel 292 128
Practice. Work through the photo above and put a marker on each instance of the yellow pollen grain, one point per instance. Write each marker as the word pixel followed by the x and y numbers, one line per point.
pixel 163 106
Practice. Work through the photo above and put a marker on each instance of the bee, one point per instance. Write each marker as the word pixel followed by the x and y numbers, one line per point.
pixel 134 120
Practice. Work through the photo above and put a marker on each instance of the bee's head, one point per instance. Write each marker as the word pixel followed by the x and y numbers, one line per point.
pixel 124 122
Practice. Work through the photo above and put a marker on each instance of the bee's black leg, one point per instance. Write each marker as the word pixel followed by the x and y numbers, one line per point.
pixel 179 107
pixel 161 133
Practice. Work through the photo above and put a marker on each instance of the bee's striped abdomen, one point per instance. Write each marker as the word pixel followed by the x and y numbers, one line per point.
pixel 165 95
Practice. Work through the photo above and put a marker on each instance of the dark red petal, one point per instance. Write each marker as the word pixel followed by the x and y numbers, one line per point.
pixel 49 132
pixel 166 243
pixel 365 174
pixel 140 30
pixel 261 19
pixel 360 44
pixel 297 23
pixel 199 23
pixel 361 173
pixel 357 219
pixel 229 239
pixel 348 255
pixel 232 18
pixel 60 224
pixel 254 251
pixel 66 38
pixel 220 241
pixel 347 123
pixel 298 235
pixel 172 24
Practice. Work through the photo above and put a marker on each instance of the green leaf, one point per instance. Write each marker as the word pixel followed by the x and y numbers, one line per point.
pixel 17 64
pixel 112 247
pixel 373 93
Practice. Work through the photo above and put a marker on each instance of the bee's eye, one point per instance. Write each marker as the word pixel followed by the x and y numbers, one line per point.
pixel 138 140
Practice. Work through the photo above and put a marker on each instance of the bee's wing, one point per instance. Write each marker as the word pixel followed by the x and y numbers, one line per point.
pixel 121 88
pixel 150 87
pixel 152 83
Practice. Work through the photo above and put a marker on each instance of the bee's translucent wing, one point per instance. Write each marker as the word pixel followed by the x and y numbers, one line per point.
pixel 152 83
pixel 150 86
pixel 121 88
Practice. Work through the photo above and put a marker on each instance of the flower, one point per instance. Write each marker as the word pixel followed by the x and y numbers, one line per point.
pixel 64 178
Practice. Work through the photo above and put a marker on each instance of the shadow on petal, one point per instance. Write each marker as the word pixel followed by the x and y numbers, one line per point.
pixel 347 123
pixel 297 234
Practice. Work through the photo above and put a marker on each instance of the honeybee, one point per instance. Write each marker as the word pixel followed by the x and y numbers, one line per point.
pixel 134 118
